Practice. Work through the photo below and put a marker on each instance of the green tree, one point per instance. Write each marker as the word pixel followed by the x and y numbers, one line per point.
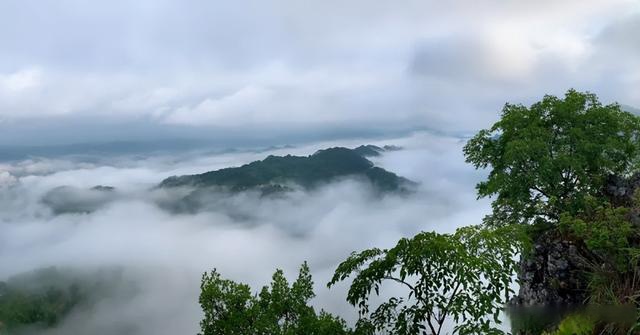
pixel 545 159
pixel 280 308
pixel 463 277
pixel 227 306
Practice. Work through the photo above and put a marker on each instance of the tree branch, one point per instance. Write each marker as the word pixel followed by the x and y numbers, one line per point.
pixel 401 282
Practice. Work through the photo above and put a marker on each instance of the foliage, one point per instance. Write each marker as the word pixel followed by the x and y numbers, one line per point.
pixel 534 320
pixel 369 150
pixel 310 171
pixel 39 299
pixel 464 277
pixel 546 159
pixel 606 232
pixel 610 320
pixel 43 298
pixel 231 308
pixel 549 164
pixel 46 308
pixel 611 250
pixel 575 324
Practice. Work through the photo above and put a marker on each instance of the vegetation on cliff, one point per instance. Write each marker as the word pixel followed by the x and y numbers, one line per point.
pixel 550 168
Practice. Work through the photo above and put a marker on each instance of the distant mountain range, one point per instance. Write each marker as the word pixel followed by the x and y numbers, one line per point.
pixel 280 173
pixel 109 149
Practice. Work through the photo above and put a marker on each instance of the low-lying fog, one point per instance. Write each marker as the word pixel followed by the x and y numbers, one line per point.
pixel 164 254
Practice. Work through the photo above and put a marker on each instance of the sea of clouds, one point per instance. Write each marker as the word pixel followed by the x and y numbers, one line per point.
pixel 163 254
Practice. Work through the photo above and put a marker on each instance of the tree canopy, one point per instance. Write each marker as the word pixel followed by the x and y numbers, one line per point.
pixel 280 308
pixel 544 160
pixel 558 163
pixel 464 277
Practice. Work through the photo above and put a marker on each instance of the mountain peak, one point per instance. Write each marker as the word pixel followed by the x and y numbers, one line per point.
pixel 321 167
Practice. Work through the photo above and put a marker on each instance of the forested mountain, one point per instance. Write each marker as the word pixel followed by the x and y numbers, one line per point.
pixel 36 300
pixel 277 173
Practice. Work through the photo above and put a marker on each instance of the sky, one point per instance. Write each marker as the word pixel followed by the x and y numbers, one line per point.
pixel 285 71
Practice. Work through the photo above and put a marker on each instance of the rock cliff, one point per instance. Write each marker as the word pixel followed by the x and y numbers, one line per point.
pixel 553 273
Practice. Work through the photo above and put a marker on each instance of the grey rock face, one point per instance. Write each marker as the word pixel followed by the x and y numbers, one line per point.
pixel 621 190
pixel 553 274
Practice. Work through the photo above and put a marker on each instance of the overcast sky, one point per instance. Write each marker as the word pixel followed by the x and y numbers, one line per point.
pixel 80 71
pixel 260 72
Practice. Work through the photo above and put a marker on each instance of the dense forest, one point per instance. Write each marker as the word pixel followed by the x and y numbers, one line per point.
pixel 44 297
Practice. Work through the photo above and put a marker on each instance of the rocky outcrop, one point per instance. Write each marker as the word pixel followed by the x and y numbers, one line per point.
pixel 622 191
pixel 552 273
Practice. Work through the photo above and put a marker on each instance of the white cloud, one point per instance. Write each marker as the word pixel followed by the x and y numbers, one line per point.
pixel 6 179
pixel 165 254
pixel 14 83
pixel 245 105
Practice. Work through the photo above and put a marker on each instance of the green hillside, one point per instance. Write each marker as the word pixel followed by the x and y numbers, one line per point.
pixel 275 173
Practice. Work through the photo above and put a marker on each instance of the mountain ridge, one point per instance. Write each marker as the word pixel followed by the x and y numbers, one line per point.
pixel 278 172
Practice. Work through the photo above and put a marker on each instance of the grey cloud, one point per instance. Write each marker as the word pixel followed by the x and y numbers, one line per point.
pixel 615 62
pixel 66 199
pixel 620 36
pixel 82 85
pixel 631 109
pixel 325 64
pixel 457 58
